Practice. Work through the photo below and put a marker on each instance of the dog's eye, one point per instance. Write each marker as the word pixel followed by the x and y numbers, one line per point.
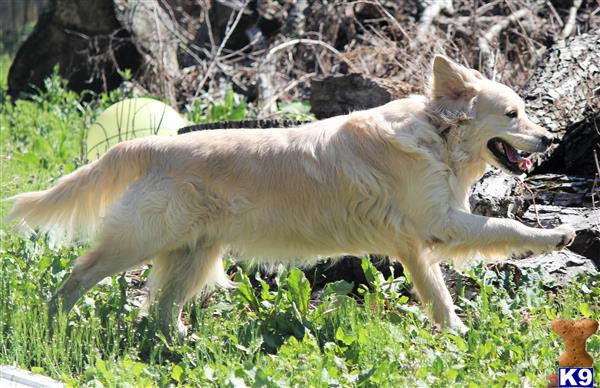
pixel 512 114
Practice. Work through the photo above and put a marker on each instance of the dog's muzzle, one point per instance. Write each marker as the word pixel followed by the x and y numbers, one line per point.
pixel 509 157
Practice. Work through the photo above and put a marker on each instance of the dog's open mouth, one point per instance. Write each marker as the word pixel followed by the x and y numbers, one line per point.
pixel 509 156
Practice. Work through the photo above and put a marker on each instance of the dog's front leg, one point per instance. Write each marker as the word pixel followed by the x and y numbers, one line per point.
pixel 432 291
pixel 501 237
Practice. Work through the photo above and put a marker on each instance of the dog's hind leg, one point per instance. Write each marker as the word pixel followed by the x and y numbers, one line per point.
pixel 433 292
pixel 135 230
pixel 89 269
pixel 113 253
pixel 180 274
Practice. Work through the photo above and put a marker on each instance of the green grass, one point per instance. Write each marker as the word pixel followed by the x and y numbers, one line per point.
pixel 273 337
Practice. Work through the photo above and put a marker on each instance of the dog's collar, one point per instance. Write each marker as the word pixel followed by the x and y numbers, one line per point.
pixel 444 132
pixel 446 122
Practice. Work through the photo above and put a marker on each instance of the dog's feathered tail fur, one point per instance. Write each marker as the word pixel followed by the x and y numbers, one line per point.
pixel 77 202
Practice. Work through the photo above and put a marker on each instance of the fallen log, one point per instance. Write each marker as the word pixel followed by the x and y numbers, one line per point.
pixel 497 195
pixel 247 124
pixel 580 146
pixel 586 222
pixel 560 190
pixel 562 96
pixel 154 36
pixel 559 267
pixel 553 269
pixel 543 201
pixel 338 95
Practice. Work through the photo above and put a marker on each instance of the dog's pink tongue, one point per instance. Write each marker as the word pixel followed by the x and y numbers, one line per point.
pixel 524 163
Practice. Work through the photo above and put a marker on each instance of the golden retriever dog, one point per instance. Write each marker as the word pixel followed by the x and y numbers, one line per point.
pixel 393 180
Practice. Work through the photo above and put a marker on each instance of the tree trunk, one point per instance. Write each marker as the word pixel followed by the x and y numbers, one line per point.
pixel 154 35
pixel 76 36
pixel 17 13
pixel 93 42
pixel 562 96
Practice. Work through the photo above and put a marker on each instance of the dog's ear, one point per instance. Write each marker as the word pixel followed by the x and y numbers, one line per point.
pixel 452 80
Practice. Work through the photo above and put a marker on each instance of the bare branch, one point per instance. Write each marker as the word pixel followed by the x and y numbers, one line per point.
pixel 221 46
pixel 267 106
pixel 571 20
pixel 294 42
pixel 488 57
pixel 267 68
pixel 431 12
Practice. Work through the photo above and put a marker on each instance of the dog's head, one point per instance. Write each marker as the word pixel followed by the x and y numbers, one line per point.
pixel 501 129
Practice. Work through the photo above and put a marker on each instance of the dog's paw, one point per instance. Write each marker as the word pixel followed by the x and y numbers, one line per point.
pixel 181 330
pixel 459 327
pixel 553 239
pixel 454 324
pixel 565 235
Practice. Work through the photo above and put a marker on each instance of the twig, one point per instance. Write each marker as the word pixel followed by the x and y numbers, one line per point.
pixel 221 46
pixel 431 12
pixel 537 216
pixel 488 57
pixel 294 42
pixel 486 7
pixel 556 15
pixel 393 19
pixel 465 20
pixel 526 32
pixel 571 20
pixel 267 68
pixel 474 23
pixel 211 38
pixel 162 68
pixel 381 9
pixel 290 86
pixel 181 33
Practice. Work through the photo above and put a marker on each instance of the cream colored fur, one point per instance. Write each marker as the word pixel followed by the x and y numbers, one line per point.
pixel 391 180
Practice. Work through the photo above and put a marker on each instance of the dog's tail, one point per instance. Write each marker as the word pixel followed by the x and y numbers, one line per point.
pixel 76 203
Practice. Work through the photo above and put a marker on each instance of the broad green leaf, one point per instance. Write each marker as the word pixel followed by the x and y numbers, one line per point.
pixel 340 287
pixel 176 373
pixel 299 290
pixel 246 291
pixel 343 337
pixel 585 310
